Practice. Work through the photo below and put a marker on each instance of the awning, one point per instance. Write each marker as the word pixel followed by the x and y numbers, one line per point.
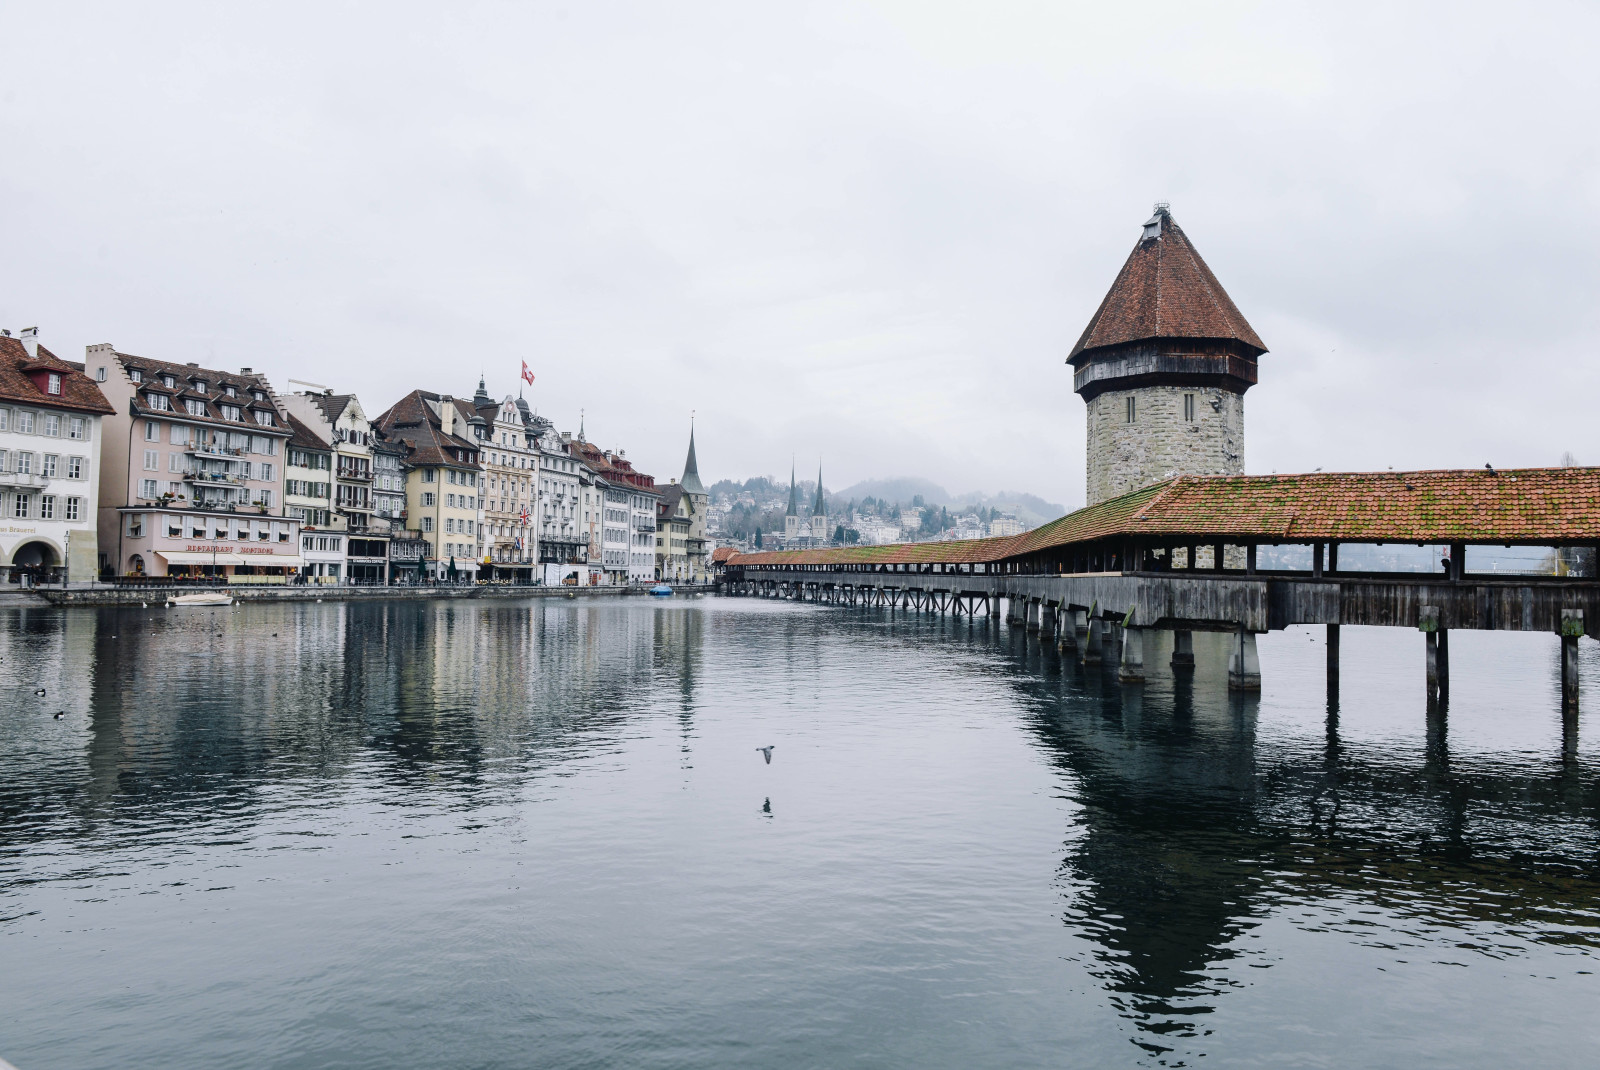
pixel 180 557
pixel 271 560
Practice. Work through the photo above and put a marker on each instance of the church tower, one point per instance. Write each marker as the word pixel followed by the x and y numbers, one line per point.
pixel 791 519
pixel 819 514
pixel 1163 367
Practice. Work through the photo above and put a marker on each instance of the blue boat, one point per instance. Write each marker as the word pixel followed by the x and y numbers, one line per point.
pixel 661 590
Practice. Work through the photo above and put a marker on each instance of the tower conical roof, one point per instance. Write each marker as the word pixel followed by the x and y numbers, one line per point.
pixel 794 503
pixel 820 507
pixel 1165 291
pixel 691 471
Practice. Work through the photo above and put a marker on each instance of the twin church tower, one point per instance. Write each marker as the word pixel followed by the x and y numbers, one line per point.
pixel 1163 366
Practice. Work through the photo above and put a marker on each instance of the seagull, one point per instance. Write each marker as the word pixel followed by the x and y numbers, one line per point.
pixel 766 752
pixel 59 714
pixel 40 692
pixel 1319 469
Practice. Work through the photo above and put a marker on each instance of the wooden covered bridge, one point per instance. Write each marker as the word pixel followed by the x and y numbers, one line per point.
pixel 1249 554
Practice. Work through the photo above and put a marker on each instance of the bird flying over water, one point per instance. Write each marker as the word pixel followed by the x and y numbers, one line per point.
pixel 766 752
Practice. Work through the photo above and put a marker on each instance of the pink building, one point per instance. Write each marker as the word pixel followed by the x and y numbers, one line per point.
pixel 191 472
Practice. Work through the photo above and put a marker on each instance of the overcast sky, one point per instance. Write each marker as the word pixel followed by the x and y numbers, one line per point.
pixel 868 233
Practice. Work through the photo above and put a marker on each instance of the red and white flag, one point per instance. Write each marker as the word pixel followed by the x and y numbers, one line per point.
pixel 526 374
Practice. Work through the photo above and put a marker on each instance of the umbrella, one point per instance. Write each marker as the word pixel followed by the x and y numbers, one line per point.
pixel 452 571
pixel 422 568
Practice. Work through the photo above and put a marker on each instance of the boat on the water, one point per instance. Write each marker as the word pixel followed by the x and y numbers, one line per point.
pixel 661 590
pixel 203 598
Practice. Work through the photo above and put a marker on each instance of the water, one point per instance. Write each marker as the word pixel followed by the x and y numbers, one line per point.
pixel 510 834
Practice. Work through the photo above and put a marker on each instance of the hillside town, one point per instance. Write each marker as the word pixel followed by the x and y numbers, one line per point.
pixel 134 469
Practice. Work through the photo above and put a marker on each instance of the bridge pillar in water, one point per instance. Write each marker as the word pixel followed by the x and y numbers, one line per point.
pixel 1244 665
pixel 1182 649
pixel 1571 629
pixel 1093 647
pixel 1131 668
pixel 993 602
pixel 1047 620
pixel 1436 654
pixel 1333 663
pixel 1068 629
pixel 1035 612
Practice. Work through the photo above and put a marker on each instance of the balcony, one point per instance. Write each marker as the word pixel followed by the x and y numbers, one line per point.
pixel 213 450
pixel 23 479
pixel 215 479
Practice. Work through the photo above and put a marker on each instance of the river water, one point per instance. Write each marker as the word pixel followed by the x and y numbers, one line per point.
pixel 519 834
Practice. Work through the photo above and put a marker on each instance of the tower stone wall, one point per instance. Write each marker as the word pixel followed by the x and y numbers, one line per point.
pixel 1160 443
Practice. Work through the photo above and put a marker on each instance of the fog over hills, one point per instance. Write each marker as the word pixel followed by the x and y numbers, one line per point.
pixel 901 490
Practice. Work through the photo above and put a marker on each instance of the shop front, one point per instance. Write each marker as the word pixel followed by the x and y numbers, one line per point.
pixel 192 547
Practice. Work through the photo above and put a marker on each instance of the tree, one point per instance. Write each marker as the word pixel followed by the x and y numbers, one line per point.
pixel 758 538
pixel 838 533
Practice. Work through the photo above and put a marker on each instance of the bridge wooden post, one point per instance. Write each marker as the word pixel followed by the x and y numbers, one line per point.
pixel 1244 665
pixel 1131 668
pixel 1333 664
pixel 1047 620
pixel 1571 629
pixel 1437 671
pixel 1183 649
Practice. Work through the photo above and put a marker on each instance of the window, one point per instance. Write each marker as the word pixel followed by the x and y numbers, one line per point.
pixel 51 462
pixel 100 375
pixel 180 434
pixel 5 459
pixel 175 462
pixel 47 507
pixel 151 461
pixel 263 418
pixel 429 475
pixel 78 428
pixel 230 391
pixel 1188 407
pixel 266 498
pixel 1132 408
pixel 159 402
pixel 230 412
pixel 152 431
pixel 199 386
pixel 136 375
pixel 266 471
pixel 74 467
pixel 24 463
pixel 24 422
pixel 133 525
pixel 427 523
pixel 469 527
pixel 52 425
pixel 194 406
pixel 147 488
pixel 22 506
pixel 5 419
pixel 53 383
pixel 305 543
pixel 74 508
pixel 168 382
pixel 427 499
pixel 449 525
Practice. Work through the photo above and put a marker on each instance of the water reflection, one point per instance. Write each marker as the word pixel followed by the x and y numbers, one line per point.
pixel 1190 819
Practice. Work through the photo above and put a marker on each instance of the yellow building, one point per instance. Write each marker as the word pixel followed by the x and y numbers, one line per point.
pixel 443 477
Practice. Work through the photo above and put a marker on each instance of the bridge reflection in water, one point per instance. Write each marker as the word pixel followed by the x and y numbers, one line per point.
pixel 1192 819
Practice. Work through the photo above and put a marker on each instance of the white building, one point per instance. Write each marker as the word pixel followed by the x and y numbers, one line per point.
pixel 50 414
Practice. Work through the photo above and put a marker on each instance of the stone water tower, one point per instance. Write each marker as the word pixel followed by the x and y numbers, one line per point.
pixel 1163 367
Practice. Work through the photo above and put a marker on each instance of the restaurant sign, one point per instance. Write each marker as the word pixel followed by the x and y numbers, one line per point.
pixel 197 549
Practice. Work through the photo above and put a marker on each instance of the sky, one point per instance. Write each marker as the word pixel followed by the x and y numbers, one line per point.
pixel 863 235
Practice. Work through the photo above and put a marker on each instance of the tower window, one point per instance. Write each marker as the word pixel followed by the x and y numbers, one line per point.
pixel 1188 407
pixel 1133 408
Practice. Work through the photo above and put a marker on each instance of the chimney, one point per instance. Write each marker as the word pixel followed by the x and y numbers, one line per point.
pixel 244 371
pixel 30 341
pixel 447 415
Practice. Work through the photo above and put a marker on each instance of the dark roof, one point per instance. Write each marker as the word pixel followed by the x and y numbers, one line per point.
pixel 414 422
pixel 332 405
pixel 78 392
pixel 691 470
pixel 302 437
pixel 1165 291
pixel 1541 506
pixel 671 494
pixel 183 390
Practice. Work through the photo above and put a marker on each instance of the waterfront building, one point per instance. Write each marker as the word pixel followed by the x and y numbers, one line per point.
pixel 308 497
pixel 374 558
pixel 443 477
pixel 625 508
pixel 1163 367
pixel 674 523
pixel 50 439
pixel 509 536
pixel 340 420
pixel 192 471
pixel 563 548
pixel 695 543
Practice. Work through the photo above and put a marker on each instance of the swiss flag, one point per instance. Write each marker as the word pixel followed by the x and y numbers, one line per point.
pixel 526 374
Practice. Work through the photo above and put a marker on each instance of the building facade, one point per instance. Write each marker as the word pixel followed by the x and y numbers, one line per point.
pixel 192 471
pixel 443 478
pixel 509 539
pixel 308 497
pixel 340 420
pixel 1163 367
pixel 563 545
pixel 51 417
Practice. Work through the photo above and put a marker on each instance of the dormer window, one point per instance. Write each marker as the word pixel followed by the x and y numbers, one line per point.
pixel 136 375
pixel 258 395
pixel 264 419
pixel 168 382
pixel 230 391
pixel 230 412
pixel 53 383
pixel 160 402
pixel 196 408
pixel 199 386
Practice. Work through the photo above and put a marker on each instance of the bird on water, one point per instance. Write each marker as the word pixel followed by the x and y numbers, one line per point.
pixel 766 752
pixel 39 691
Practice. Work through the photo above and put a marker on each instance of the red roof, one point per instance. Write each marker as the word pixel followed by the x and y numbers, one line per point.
pixel 1165 291
pixel 78 392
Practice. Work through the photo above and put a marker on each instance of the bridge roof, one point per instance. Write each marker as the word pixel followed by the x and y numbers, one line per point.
pixel 1526 505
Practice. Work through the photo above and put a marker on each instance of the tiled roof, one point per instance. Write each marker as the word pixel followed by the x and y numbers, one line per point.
pixel 302 437
pixel 721 554
pixel 1165 291
pixel 332 405
pixel 1525 505
pixel 78 392
pixel 182 390
pixel 414 422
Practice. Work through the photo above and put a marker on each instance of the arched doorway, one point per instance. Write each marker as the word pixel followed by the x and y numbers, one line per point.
pixel 34 562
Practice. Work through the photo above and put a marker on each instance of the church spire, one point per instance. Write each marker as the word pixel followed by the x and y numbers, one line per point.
pixel 819 507
pixel 691 470
pixel 794 501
